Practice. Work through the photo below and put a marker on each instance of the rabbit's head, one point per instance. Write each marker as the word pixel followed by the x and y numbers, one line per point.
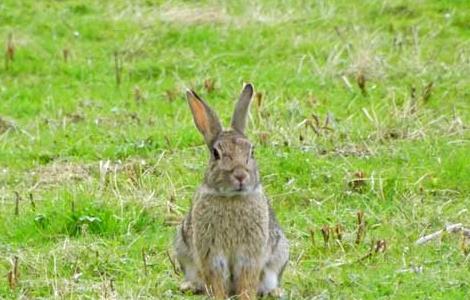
pixel 232 168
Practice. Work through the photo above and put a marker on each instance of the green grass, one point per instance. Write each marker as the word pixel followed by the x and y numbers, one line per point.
pixel 110 168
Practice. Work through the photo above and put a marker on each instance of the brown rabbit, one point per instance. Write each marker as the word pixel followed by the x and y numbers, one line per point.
pixel 230 243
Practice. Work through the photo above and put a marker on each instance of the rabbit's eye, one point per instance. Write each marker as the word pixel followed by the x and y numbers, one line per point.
pixel 216 153
pixel 252 153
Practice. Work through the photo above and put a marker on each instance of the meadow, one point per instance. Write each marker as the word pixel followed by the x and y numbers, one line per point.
pixel 360 123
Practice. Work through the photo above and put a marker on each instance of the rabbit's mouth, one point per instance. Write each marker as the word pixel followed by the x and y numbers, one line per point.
pixel 237 189
pixel 241 189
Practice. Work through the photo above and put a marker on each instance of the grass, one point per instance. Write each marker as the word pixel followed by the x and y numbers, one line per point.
pixel 99 173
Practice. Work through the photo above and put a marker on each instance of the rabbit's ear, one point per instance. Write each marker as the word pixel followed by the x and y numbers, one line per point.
pixel 241 109
pixel 204 117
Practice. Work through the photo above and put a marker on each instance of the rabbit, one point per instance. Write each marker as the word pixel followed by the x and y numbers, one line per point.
pixel 230 242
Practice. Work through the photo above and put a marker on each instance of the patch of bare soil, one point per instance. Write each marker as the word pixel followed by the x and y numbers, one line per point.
pixel 187 14
pixel 60 172
pixel 194 14
pixel 354 150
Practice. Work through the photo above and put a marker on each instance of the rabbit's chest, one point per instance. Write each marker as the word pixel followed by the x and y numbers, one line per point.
pixel 229 226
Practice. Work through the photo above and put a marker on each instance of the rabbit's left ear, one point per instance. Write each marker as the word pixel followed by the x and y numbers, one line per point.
pixel 205 118
pixel 241 109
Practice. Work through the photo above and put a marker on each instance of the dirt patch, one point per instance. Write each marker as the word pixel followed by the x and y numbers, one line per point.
pixel 194 14
pixel 354 151
pixel 188 14
pixel 60 172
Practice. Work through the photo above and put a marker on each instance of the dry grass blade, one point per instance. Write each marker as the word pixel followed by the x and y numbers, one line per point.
pixel 325 230
pixel 11 280
pixel 379 246
pixel 413 101
pixel 17 203
pixel 361 83
pixel 361 227
pixel 359 181
pixel 258 100
pixel 316 120
pixel 173 264
pixel 138 96
pixel 465 244
pixel 339 232
pixel 263 138
pixel 10 51
pixel 427 92
pixel 347 83
pixel 452 228
pixel 13 275
pixel 209 85
pixel 329 120
pixel 144 260
pixel 65 54
pixel 312 236
pixel 117 68
pixel 31 200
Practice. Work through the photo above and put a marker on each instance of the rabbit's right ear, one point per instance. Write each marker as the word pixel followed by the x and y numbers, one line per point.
pixel 204 117
pixel 241 109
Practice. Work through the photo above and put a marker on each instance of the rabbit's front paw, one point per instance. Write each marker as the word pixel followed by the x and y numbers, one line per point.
pixel 276 293
pixel 188 286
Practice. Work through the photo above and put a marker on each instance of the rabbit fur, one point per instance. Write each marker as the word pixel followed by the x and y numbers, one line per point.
pixel 230 243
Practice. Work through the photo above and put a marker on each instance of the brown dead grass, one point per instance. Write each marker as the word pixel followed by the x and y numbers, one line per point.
pixel 194 14
pixel 197 14
pixel 62 172
pixel 59 173
pixel 186 14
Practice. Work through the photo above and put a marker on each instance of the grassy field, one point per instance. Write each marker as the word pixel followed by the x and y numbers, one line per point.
pixel 362 106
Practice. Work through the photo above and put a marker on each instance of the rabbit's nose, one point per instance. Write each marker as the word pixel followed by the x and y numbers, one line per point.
pixel 240 176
